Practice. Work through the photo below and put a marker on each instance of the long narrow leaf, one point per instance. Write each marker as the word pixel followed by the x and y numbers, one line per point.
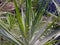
pixel 38 16
pixel 50 36
pixel 28 16
pixel 40 31
pixel 44 28
pixel 9 36
pixel 19 19
pixel 58 8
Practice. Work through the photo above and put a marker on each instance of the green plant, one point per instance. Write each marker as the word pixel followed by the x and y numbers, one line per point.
pixel 50 42
pixel 29 23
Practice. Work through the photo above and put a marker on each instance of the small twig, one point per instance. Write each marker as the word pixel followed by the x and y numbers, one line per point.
pixel 4 4
pixel 2 17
